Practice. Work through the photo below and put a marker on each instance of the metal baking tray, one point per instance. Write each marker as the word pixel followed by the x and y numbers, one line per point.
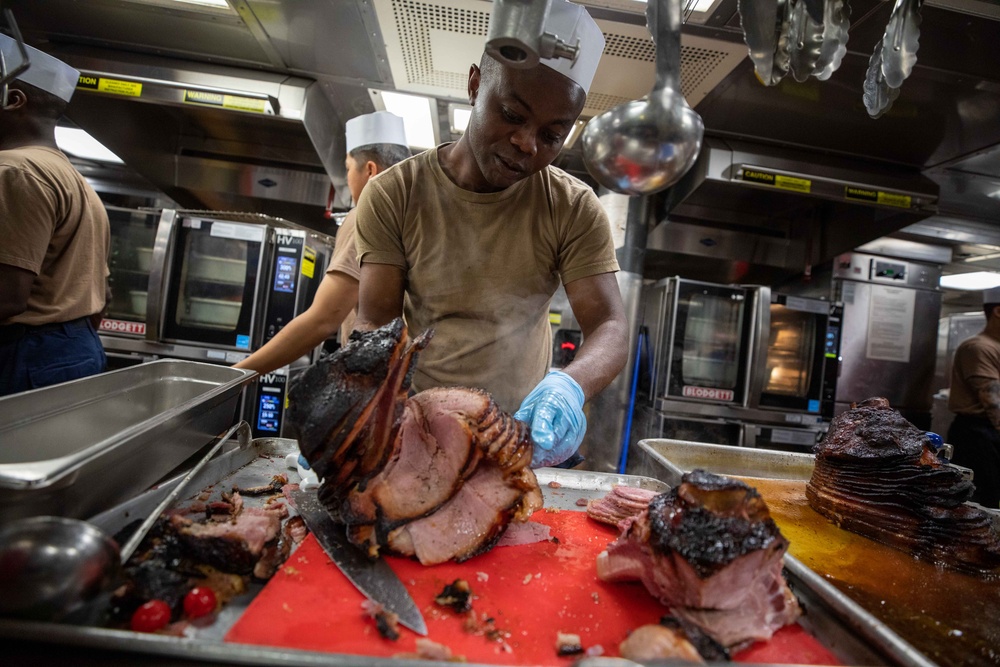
pixel 846 630
pixel 670 459
pixel 77 448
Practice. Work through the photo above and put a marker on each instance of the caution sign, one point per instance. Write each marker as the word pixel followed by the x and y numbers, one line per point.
pixel 235 102
pixel 855 193
pixel 308 262
pixel 780 181
pixel 112 86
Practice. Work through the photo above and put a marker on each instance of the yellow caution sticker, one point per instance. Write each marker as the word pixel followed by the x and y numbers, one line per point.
pixel 235 102
pixel 792 183
pixel 776 180
pixel 112 86
pixel 855 193
pixel 555 318
pixel 308 262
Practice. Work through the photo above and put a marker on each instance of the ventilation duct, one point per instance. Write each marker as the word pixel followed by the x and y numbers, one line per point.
pixel 216 137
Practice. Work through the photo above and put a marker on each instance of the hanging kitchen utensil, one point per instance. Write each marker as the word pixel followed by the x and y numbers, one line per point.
pixel 805 41
pixel 782 59
pixel 761 22
pixel 61 569
pixel 878 95
pixel 836 22
pixel 901 41
pixel 644 146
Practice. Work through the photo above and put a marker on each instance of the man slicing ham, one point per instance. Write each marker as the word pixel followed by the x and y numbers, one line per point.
pixel 472 239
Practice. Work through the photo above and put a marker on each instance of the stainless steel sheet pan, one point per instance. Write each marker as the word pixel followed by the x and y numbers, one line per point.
pixel 77 448
pixel 844 628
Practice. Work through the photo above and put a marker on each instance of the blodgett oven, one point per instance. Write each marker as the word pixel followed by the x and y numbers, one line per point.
pixel 200 286
pixel 702 334
pixel 739 365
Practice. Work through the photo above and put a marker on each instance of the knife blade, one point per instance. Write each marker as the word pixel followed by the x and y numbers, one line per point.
pixel 375 579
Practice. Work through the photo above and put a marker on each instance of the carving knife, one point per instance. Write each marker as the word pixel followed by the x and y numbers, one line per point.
pixel 375 579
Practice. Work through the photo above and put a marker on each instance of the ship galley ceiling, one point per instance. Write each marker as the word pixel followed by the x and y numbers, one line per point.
pixel 284 75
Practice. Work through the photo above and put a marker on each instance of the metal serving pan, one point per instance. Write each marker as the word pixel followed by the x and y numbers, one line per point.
pixel 670 459
pixel 851 634
pixel 77 448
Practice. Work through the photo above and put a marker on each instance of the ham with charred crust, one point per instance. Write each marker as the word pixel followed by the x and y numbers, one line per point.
pixel 709 550
pixel 877 475
pixel 438 476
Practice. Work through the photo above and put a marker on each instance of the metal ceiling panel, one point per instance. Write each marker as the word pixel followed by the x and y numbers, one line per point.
pixel 144 28
pixel 430 45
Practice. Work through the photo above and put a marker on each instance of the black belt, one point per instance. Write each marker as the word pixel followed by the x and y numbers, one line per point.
pixel 11 333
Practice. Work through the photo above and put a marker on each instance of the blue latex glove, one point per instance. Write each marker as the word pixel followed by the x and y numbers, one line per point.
pixel 303 462
pixel 554 410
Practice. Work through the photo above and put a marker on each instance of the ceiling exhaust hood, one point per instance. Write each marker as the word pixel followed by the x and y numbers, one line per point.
pixel 216 137
pixel 757 213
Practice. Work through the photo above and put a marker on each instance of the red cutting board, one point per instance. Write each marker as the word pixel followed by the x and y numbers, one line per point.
pixel 533 591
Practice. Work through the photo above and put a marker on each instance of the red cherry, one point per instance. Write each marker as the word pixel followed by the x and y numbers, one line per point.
pixel 199 601
pixel 151 616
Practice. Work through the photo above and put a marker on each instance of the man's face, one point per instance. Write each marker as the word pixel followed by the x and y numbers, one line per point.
pixel 357 177
pixel 520 119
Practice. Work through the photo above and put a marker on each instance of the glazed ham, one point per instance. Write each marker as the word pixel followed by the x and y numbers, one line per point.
pixel 876 475
pixel 709 550
pixel 439 475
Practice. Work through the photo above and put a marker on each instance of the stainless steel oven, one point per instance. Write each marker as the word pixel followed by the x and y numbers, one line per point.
pixel 702 335
pixel 791 359
pixel 211 287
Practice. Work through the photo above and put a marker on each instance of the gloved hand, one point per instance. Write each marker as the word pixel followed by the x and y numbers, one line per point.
pixel 554 410
pixel 307 478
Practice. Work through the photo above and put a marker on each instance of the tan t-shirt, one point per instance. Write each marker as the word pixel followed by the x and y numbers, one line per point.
pixel 976 357
pixel 345 260
pixel 482 268
pixel 53 224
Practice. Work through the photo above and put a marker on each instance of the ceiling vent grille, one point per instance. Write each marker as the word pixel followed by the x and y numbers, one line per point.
pixel 430 45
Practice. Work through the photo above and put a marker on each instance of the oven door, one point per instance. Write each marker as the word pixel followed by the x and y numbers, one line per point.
pixel 132 237
pixel 212 297
pixel 792 374
pixel 710 344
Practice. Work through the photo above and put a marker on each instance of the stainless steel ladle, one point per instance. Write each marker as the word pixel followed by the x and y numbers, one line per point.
pixel 51 567
pixel 644 146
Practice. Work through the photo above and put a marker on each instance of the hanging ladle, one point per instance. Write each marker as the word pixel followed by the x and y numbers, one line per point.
pixel 54 568
pixel 644 146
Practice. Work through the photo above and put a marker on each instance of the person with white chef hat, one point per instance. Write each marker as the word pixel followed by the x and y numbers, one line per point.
pixel 55 231
pixel 472 239
pixel 974 397
pixel 375 142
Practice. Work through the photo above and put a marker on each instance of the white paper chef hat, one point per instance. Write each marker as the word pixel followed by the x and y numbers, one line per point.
pixel 381 127
pixel 991 295
pixel 50 74
pixel 571 23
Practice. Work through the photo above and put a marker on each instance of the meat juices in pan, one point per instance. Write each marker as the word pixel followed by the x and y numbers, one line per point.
pixel 439 475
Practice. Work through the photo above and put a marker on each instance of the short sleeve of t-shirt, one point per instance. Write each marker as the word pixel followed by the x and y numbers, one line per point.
pixel 585 247
pixel 345 254
pixel 979 358
pixel 379 234
pixel 27 219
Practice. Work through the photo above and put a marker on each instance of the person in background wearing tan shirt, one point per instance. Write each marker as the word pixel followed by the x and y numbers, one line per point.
pixel 375 142
pixel 54 235
pixel 974 397
pixel 472 239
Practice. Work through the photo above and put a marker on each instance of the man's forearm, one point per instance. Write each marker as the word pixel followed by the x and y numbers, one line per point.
pixel 601 357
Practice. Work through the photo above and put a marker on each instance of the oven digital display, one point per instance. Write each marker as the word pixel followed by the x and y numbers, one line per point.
pixel 284 274
pixel 269 412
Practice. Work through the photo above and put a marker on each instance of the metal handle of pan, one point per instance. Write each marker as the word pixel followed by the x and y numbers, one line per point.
pixel 244 437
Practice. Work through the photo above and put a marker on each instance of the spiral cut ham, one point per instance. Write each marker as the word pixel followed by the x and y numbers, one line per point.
pixel 709 550
pixel 877 475
pixel 438 476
